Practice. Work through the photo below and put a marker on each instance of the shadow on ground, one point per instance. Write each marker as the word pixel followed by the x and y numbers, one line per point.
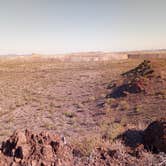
pixel 132 137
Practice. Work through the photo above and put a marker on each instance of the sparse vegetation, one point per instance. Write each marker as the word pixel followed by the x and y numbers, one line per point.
pixel 71 99
pixel 86 145
pixel 69 114
pixel 110 130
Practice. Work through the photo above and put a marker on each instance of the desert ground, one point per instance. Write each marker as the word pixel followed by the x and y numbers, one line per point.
pixel 72 99
pixel 55 95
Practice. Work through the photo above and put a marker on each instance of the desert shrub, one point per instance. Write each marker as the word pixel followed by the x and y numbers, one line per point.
pixel 124 105
pixel 69 114
pixel 138 108
pixel 111 130
pixel 85 146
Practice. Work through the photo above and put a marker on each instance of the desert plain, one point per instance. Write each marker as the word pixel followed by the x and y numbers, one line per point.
pixel 72 100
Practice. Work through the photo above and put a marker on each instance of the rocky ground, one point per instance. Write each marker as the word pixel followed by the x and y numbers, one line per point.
pixel 93 113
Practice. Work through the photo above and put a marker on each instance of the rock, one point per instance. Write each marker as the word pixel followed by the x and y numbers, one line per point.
pixel 143 69
pixel 27 148
pixel 17 160
pixel 21 138
pixel 133 81
pixel 33 163
pixel 47 152
pixel 155 136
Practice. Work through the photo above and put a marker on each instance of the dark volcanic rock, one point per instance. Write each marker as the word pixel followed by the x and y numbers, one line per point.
pixel 155 136
pixel 143 69
pixel 133 81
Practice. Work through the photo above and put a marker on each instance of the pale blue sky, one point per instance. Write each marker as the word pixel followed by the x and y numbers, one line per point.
pixel 58 26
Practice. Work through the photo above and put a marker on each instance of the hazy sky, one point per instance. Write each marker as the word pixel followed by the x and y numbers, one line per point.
pixel 58 26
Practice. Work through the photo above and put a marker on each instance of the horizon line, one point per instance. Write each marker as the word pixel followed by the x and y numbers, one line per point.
pixel 76 52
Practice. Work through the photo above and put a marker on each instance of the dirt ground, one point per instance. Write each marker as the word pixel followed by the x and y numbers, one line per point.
pixel 69 99
pixel 61 96
pixel 51 95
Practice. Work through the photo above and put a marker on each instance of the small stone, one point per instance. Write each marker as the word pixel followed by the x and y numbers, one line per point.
pixel 47 152
pixel 33 162
pixel 17 160
pixel 21 138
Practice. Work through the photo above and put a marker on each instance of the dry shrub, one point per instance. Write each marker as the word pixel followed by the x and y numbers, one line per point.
pixel 111 130
pixel 83 147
